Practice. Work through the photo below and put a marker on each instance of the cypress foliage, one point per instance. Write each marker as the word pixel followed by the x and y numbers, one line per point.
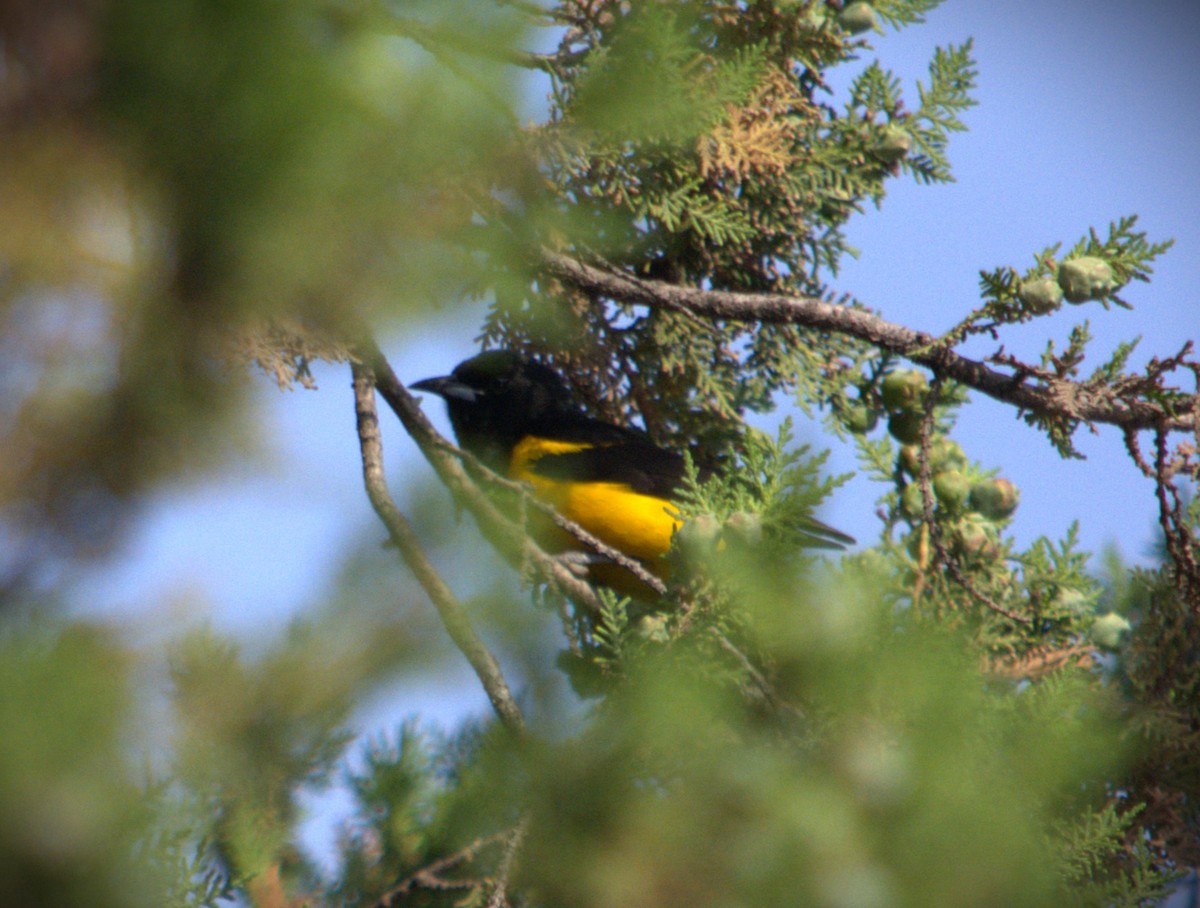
pixel 936 717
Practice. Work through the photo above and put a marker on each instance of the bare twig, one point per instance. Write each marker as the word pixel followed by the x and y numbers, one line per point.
pixel 457 624
pixel 430 876
pixel 1181 546
pixel 512 844
pixel 616 556
pixel 766 688
pixel 960 577
pixel 929 528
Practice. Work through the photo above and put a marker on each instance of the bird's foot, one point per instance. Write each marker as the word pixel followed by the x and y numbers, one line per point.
pixel 579 562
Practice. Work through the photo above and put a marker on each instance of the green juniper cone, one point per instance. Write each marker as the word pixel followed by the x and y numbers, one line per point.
pixel 1086 278
pixel 995 499
pixel 1040 295
pixel 904 389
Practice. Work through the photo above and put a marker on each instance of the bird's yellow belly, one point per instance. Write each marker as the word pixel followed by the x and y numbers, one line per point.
pixel 638 525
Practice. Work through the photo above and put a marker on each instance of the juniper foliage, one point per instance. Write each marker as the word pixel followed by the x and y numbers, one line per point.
pixel 936 717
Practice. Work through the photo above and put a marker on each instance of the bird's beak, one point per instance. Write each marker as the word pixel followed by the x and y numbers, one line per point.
pixel 447 387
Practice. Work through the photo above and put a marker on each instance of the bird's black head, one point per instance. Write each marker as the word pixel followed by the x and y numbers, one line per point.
pixel 494 397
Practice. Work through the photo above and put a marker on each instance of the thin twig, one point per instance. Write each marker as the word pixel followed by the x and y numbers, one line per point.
pixel 928 526
pixel 430 876
pixel 455 619
pixel 944 557
pixel 760 680
pixel 616 556
pixel 960 577
pixel 512 844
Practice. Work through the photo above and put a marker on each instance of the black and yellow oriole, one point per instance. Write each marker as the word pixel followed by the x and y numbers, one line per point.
pixel 521 420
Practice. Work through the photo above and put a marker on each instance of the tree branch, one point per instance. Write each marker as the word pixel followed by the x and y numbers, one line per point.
pixel 765 688
pixel 1054 397
pixel 512 844
pixel 508 537
pixel 430 876
pixel 457 624
pixel 930 526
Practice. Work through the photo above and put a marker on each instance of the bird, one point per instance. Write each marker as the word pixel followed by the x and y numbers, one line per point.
pixel 519 418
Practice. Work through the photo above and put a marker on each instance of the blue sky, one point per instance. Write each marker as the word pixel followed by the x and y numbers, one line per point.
pixel 1087 112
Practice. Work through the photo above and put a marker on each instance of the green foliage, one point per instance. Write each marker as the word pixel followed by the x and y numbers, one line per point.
pixel 180 844
pixel 396 793
pixel 951 80
pixel 899 13
pixel 926 720
pixel 752 194
pixel 68 806
pixel 1093 845
pixel 875 90
pixel 900 738
pixel 1126 251
pixel 770 477
pixel 646 85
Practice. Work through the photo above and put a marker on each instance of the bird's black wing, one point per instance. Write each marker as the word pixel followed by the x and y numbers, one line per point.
pixel 627 456
pixel 612 454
